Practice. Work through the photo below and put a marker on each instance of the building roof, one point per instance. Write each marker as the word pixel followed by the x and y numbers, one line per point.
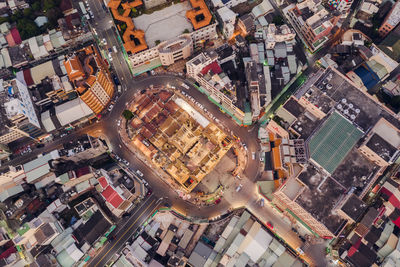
pixel 103 182
pixel 354 208
pixel 71 111
pixel 214 67
pixel 331 143
pixel 199 255
pixel 112 196
pixel 95 227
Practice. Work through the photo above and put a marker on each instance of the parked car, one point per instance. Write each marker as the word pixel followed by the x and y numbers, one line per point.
pixel 139 173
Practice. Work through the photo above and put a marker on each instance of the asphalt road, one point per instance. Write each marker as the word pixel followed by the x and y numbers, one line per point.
pixel 125 230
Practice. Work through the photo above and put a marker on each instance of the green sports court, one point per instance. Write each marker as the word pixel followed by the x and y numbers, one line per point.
pixel 331 143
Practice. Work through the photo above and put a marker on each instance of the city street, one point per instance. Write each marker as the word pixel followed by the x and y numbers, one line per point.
pixel 125 230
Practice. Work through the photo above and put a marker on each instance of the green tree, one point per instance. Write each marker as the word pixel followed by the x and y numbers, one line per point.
pixel 28 13
pixel 53 15
pixel 128 115
pixel 48 4
pixel 157 42
pixel 27 28
pixel 186 31
pixel 36 6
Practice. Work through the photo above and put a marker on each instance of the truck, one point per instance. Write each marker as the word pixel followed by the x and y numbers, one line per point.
pixel 83 9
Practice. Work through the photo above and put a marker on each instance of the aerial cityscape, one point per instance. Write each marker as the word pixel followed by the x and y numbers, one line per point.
pixel 199 133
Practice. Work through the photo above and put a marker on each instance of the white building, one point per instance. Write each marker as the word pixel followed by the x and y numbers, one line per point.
pixel 276 34
pixel 228 19
pixel 205 69
pixel 227 3
pixel 168 52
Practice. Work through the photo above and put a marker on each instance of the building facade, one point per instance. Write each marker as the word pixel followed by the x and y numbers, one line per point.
pixel 205 69
pixel 90 78
pixel 391 21
pixel 312 22
pixel 168 52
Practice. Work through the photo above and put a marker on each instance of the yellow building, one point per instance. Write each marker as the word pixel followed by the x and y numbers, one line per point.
pixel 90 78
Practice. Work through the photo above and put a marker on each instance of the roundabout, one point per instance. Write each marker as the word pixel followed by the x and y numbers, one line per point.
pixel 237 192
pixel 178 197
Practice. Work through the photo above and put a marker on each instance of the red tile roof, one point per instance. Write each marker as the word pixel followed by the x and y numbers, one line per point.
pixel 216 69
pixel 112 197
pixel 16 36
pixel 82 171
pixel 103 182
pixel 28 77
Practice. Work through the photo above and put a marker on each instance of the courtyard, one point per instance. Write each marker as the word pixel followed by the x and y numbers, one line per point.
pixel 157 25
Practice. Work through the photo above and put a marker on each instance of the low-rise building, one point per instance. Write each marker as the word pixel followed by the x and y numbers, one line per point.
pixel 205 69
pixel 312 22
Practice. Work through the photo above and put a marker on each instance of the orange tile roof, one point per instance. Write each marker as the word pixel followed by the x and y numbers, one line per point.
pixel 90 80
pixel 74 68
pixel 199 8
pixel 129 44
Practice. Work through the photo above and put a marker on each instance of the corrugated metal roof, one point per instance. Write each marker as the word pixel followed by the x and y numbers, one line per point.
pixel 42 71
pixel 47 122
pixel 71 111
pixel 10 192
pixel 187 236
pixel 228 229
pixel 235 245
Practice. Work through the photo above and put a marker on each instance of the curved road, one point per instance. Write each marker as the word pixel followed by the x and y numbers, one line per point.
pixel 247 197
pixel 108 127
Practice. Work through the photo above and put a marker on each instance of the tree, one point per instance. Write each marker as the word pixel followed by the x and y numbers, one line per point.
pixel 27 28
pixel 53 15
pixel 28 13
pixel 48 4
pixel 157 42
pixel 128 115
pixel 186 31
pixel 36 6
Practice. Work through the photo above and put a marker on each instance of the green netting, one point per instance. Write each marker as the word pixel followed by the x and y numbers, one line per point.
pixel 330 145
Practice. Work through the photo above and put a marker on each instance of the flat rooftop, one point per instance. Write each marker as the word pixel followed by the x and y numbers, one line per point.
pixel 320 196
pixel 165 24
pixel 381 147
pixel 331 143
pixel 333 90
pixel 354 207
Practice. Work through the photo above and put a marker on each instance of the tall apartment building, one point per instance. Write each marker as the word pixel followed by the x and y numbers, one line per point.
pixel 312 22
pixel 18 115
pixel 391 21
pixel 90 78
pixel 206 70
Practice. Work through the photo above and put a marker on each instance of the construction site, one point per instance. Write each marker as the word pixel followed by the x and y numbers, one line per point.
pixel 176 137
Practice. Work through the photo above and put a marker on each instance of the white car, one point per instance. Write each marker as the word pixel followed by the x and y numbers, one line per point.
pixel 115 49
pixel 110 56
pixel 110 107
pixel 139 173
pixel 253 155
pixel 119 123
pixel 184 85
pixel 104 41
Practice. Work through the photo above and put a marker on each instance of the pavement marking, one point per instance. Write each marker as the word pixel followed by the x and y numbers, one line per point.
pixel 127 230
pixel 132 215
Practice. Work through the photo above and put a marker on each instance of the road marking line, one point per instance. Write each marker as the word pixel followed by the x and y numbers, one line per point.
pixel 127 230
pixel 147 199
